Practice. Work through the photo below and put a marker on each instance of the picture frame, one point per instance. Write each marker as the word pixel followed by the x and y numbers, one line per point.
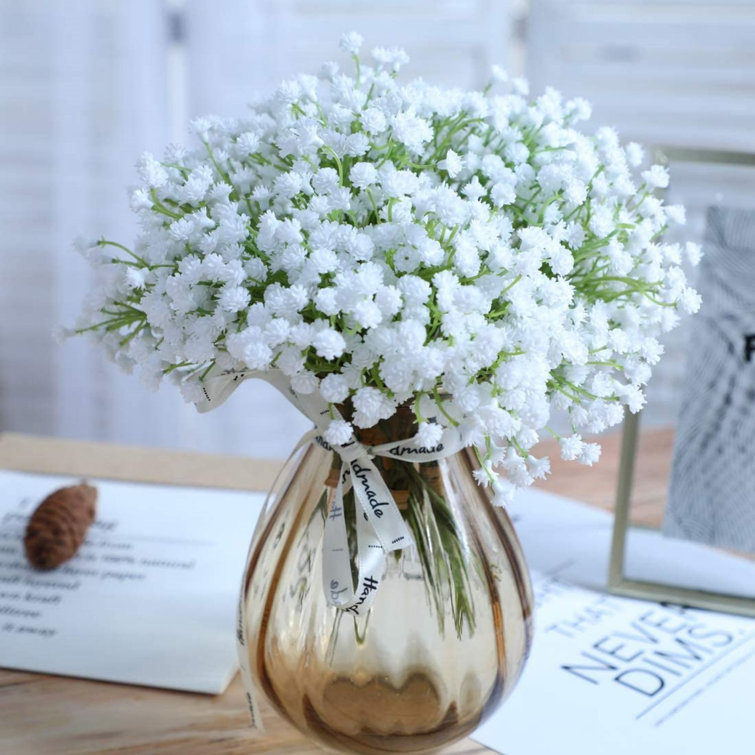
pixel 619 582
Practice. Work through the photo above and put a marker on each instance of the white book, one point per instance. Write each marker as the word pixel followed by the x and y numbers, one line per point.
pixel 149 599
pixel 616 675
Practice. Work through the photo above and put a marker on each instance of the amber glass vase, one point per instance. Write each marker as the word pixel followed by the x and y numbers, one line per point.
pixel 446 637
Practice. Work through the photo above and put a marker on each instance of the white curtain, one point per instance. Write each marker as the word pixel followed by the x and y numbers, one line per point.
pixel 85 87
pixel 108 81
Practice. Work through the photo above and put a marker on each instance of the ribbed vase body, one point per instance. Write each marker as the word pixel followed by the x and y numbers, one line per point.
pixel 445 639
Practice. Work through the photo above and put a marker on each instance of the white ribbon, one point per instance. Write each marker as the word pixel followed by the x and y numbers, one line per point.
pixel 380 528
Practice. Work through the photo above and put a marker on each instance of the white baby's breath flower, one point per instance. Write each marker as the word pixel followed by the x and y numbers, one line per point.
pixel 329 344
pixel 693 252
pixel 656 177
pixel 411 131
pixel 339 432
pixel 363 175
pixel 451 163
pixel 590 454
pixel 539 468
pixel 428 434
pixel 233 298
pixel 140 200
pixel 334 388
pixel 503 492
pixel 390 58
pixel 572 447
pixel 135 277
pixel 483 476
pixel 690 301
pixel 374 120
pixel 470 255
pixel 152 172
pixel 351 42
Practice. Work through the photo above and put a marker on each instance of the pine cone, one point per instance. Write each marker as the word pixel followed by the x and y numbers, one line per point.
pixel 59 525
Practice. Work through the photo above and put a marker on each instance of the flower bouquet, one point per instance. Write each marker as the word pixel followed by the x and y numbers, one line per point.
pixel 428 274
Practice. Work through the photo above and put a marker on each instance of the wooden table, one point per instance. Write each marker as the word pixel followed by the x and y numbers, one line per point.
pixel 41 714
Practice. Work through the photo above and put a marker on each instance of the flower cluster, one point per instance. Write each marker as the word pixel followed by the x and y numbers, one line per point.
pixel 471 253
